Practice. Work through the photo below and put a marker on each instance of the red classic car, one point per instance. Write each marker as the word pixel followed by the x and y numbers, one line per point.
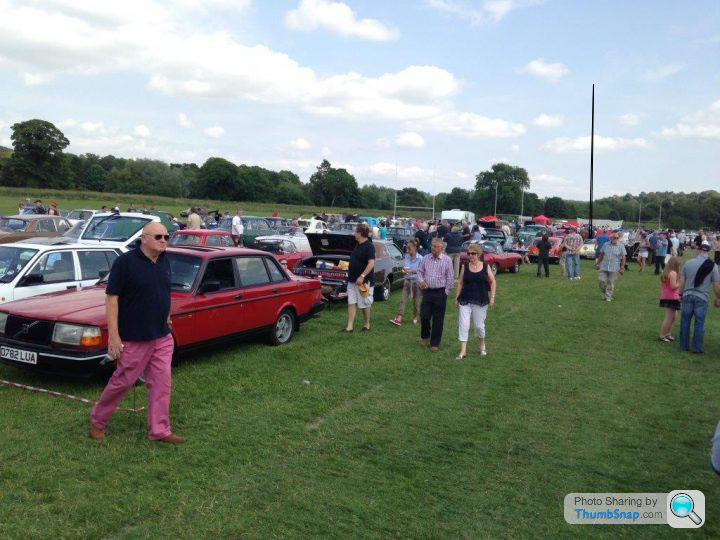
pixel 495 256
pixel 203 237
pixel 556 242
pixel 218 295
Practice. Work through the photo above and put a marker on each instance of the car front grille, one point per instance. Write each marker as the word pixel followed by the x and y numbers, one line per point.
pixel 28 330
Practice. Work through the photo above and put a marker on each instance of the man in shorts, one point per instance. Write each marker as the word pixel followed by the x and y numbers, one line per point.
pixel 361 278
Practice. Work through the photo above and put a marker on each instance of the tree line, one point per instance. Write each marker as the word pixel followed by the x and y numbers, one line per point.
pixel 38 160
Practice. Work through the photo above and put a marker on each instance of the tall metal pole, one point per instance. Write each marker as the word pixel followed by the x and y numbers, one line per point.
pixel 522 201
pixel 496 185
pixel 660 216
pixel 592 154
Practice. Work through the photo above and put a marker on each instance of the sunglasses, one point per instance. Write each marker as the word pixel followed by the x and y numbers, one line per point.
pixel 165 237
pixel 473 253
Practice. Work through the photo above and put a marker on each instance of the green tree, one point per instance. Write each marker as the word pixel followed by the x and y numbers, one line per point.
pixel 555 208
pixel 333 187
pixel 458 198
pixel 510 182
pixel 217 179
pixel 37 159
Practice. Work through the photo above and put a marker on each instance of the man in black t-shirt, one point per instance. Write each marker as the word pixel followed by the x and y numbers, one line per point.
pixel 361 278
pixel 138 316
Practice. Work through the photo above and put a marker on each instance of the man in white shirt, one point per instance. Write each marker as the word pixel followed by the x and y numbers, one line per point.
pixel 237 228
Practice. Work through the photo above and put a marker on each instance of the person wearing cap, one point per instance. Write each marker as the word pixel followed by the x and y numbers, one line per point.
pixel 695 278
pixel 610 263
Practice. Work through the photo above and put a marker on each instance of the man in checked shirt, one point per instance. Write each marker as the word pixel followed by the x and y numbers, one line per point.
pixel 436 279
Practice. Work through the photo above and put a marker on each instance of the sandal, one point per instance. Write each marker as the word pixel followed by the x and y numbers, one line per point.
pixel 669 337
pixel 345 331
pixel 665 339
pixel 396 322
pixel 461 356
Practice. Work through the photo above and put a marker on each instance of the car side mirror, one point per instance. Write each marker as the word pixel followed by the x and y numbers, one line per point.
pixel 32 279
pixel 103 273
pixel 208 286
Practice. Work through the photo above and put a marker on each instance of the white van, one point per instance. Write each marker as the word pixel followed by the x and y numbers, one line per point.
pixel 458 215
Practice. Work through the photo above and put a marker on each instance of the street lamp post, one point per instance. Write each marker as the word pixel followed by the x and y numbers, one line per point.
pixel 496 186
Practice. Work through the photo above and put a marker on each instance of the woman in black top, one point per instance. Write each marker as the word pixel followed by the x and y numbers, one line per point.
pixel 475 294
pixel 544 247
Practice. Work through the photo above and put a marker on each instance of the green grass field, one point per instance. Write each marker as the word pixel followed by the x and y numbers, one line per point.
pixel 71 200
pixel 368 435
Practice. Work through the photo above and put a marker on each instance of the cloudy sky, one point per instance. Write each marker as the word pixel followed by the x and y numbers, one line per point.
pixel 422 93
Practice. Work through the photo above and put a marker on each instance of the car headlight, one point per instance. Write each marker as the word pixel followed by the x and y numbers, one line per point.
pixel 3 320
pixel 73 334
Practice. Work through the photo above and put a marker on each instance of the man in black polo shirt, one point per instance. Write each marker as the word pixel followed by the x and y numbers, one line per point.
pixel 138 315
pixel 361 272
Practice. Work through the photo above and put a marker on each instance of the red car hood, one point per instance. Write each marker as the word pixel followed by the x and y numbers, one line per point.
pixel 85 307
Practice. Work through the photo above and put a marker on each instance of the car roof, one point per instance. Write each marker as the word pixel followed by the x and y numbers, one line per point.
pixel 203 232
pixel 212 252
pixel 59 246
pixel 84 210
pixel 33 216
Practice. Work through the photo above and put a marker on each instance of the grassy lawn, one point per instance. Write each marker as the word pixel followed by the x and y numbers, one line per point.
pixel 368 435
pixel 71 200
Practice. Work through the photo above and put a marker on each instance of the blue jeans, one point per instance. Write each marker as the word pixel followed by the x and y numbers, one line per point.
pixel 697 307
pixel 573 265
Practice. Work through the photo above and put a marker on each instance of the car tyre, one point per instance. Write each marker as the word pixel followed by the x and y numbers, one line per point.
pixel 516 268
pixel 284 328
pixel 382 293
pixel 495 269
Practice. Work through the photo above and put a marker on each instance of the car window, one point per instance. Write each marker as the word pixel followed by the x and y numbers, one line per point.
pixel 55 267
pixel 63 225
pixel 222 271
pixel 214 240
pixel 184 239
pixel 114 228
pixel 45 225
pixel 183 270
pixel 94 262
pixel 379 250
pixel 394 252
pixel 15 225
pixel 261 225
pixel 275 273
pixel 288 246
pixel 12 261
pixel 252 271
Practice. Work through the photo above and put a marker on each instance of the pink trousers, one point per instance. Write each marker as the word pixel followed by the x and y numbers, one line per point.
pixel 154 358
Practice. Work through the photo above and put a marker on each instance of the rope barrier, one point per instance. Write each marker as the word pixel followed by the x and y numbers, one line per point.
pixel 66 396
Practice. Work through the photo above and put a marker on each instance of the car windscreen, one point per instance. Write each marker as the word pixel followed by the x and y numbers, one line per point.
pixel 13 260
pixel 80 214
pixel 15 225
pixel 183 271
pixel 225 224
pixel 113 228
pixel 184 239
pixel 75 230
pixel 271 246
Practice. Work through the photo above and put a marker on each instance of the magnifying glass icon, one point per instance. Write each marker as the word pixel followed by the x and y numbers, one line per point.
pixel 682 506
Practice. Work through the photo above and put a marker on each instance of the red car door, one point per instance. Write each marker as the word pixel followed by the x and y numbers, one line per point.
pixel 214 309
pixel 264 288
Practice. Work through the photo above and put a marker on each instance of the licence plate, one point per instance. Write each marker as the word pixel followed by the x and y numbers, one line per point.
pixel 18 355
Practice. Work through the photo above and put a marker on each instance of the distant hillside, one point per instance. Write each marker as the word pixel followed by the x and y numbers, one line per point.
pixel 5 152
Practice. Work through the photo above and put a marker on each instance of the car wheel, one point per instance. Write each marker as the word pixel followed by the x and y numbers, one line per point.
pixel 382 293
pixel 495 269
pixel 284 328
pixel 516 268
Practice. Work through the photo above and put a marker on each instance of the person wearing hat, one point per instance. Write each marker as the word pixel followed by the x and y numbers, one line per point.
pixel 695 278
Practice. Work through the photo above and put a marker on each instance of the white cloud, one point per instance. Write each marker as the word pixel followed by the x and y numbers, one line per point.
pixel 184 121
pixel 630 119
pixel 67 37
pixel 547 185
pixel 548 120
pixel 491 10
pixel 339 18
pixel 662 72
pixel 703 124
pixel 67 123
pixel 300 144
pixel 515 148
pixel 36 79
pixel 325 151
pixel 92 127
pixel 142 131
pixel 410 139
pixel 214 131
pixel 566 145
pixel 540 68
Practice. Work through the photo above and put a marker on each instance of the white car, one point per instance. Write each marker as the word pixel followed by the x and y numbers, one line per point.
pixel 299 242
pixel 31 269
pixel 119 230
pixel 81 214
pixel 316 226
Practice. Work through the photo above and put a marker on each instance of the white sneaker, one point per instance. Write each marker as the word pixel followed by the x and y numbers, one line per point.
pixel 608 299
pixel 483 352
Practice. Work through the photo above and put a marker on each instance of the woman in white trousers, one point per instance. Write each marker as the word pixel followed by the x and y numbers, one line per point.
pixel 475 295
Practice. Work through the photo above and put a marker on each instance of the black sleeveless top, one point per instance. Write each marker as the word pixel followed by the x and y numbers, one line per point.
pixel 475 287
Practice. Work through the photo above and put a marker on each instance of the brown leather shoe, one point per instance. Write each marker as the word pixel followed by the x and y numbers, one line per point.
pixel 96 433
pixel 424 342
pixel 434 349
pixel 173 439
